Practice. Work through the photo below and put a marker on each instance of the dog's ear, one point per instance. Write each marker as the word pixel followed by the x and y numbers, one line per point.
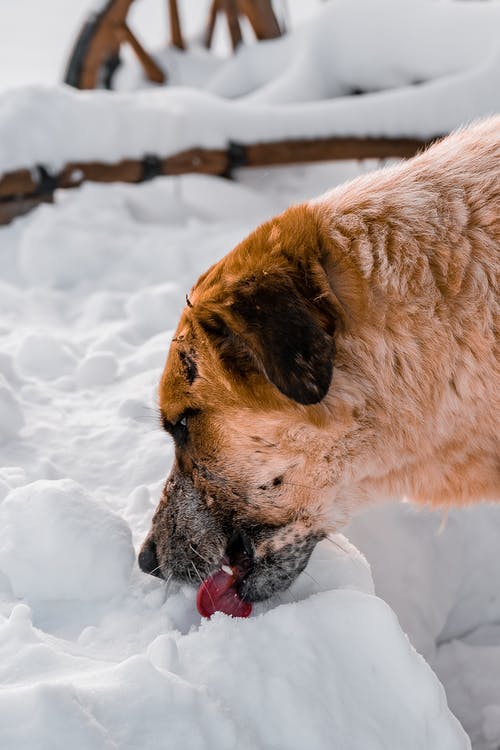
pixel 232 349
pixel 284 331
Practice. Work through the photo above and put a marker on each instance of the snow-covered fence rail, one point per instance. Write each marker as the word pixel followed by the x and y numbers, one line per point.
pixel 24 189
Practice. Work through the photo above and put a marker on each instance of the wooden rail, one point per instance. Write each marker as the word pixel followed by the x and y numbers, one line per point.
pixel 24 189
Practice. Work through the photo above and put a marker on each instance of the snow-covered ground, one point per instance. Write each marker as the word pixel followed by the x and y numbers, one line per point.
pixel 96 655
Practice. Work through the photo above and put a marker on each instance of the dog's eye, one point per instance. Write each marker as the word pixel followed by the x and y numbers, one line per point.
pixel 180 428
pixel 183 422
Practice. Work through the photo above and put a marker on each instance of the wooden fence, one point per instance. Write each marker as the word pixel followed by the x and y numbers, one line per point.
pixel 24 189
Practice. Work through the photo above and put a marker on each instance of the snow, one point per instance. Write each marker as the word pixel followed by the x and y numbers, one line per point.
pixel 99 368
pixel 56 542
pixel 44 355
pixel 11 413
pixel 25 33
pixel 299 86
pixel 236 678
pixel 95 654
pixel 83 632
pixel 320 61
pixel 441 576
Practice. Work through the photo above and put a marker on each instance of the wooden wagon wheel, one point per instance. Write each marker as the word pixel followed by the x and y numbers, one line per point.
pixel 95 55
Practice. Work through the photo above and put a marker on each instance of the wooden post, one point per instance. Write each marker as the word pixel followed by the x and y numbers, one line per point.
pixel 152 70
pixel 175 25
pixel 212 17
pixel 233 23
pixel 261 16
pixel 21 190
pixel 102 43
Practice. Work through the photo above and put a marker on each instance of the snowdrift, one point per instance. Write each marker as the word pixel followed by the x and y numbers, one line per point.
pixel 332 667
pixel 441 576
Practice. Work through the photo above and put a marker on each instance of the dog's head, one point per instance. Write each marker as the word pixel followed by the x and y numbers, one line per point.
pixel 244 395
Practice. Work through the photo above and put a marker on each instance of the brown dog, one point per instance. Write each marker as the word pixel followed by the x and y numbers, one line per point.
pixel 346 351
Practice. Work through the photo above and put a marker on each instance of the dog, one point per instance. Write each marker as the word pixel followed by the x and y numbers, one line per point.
pixel 346 351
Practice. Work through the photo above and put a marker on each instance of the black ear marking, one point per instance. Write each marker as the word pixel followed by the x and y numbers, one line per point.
pixel 281 328
pixel 233 352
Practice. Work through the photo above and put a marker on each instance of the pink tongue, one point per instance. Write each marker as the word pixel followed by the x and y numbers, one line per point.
pixel 218 593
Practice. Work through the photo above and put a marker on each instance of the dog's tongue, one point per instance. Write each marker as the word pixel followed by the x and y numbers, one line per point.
pixel 218 593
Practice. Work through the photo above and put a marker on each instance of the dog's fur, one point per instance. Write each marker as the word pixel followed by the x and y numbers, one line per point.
pixel 346 351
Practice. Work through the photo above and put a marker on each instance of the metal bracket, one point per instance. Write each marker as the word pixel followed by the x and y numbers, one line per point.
pixel 47 183
pixel 236 156
pixel 151 167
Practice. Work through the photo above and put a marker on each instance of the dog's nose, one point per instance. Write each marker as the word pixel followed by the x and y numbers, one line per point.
pixel 240 551
pixel 148 562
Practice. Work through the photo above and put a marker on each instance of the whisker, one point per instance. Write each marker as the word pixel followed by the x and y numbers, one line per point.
pixel 332 541
pixel 207 589
pixel 147 419
pixel 311 577
pixel 155 570
pixel 196 571
pixel 205 559
pixel 168 585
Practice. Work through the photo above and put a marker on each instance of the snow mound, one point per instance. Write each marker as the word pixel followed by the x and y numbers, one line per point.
pixel 421 566
pixel 440 575
pixel 128 706
pixel 58 543
pixel 151 308
pixel 98 368
pixel 11 412
pixel 301 665
pixel 333 664
pixel 43 262
pixel 45 356
pixel 7 369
